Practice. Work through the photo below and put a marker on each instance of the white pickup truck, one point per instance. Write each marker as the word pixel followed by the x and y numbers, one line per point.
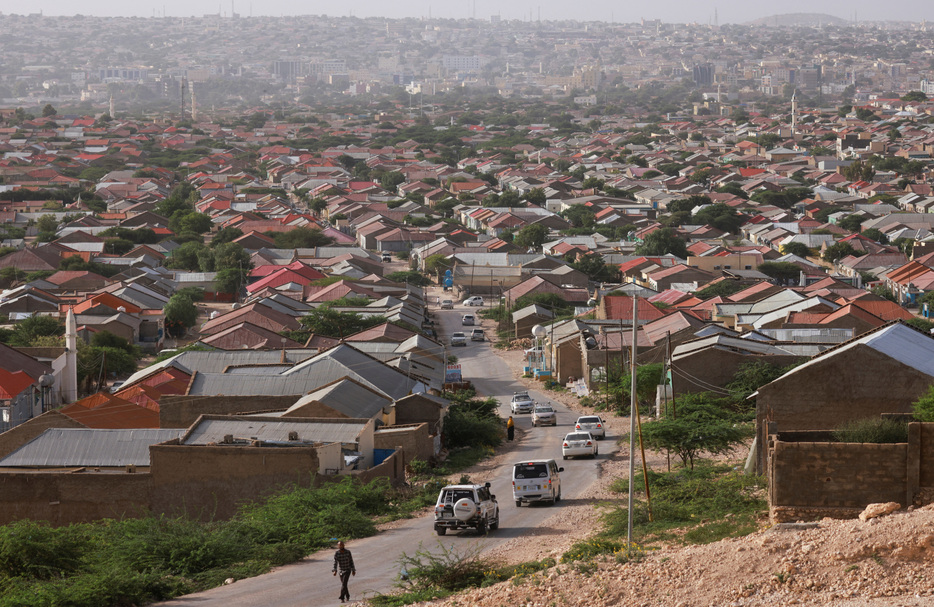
pixel 466 507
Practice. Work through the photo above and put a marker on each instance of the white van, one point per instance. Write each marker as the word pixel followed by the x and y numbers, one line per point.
pixel 536 480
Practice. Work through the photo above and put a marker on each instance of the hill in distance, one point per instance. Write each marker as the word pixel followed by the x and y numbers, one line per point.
pixel 799 19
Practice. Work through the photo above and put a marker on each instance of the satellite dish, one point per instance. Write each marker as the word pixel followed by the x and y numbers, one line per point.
pixel 591 302
pixel 539 331
pixel 213 315
pixel 121 309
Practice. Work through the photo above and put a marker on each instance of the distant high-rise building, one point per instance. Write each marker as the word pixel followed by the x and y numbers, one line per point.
pixel 703 74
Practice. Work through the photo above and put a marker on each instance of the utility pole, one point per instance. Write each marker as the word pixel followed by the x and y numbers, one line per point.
pixel 632 417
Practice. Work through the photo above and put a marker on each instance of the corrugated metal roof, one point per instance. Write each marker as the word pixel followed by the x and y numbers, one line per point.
pixel 348 397
pixel 76 447
pixel 272 429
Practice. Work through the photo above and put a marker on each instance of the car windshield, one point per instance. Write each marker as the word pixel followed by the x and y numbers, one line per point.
pixel 543 409
pixel 577 436
pixel 519 397
pixel 531 471
pixel 458 335
pixel 589 420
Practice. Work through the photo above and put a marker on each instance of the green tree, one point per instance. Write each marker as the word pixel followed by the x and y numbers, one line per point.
pixel 721 288
pixel 26 331
pixel 579 216
pixel 194 222
pixel 694 424
pixel 47 224
pixel 839 250
pixel 324 320
pixel 796 248
pixel 648 378
pixel 48 111
pixel 230 280
pixel 437 264
pixel 914 96
pixel 301 238
pixel 225 235
pixel 720 216
pixel 595 268
pixel 536 196
pixel 858 171
pixel 876 234
pixel 662 242
pixel 531 236
pixel 409 276
pixel 751 376
pixel 186 257
pixel 106 339
pixel 390 180
pixel 783 272
pixel 852 222
pixel 181 314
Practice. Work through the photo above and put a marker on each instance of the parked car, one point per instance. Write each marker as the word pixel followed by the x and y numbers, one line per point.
pixel 477 335
pixel 536 480
pixel 521 403
pixel 544 415
pixel 387 256
pixel 579 443
pixel 592 424
pixel 474 300
pixel 447 304
pixel 466 507
pixel 115 387
pixel 467 320
pixel 458 338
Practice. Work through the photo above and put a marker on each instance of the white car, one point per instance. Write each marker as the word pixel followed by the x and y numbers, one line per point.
pixel 477 335
pixel 447 304
pixel 593 424
pixel 521 403
pixel 579 443
pixel 458 338
pixel 468 320
pixel 474 300
pixel 466 507
pixel 544 415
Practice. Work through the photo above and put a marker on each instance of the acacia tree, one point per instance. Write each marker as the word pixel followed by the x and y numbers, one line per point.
pixel 696 423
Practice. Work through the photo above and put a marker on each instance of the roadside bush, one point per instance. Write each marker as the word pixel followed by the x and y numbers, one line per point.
pixel 872 430
pixel 589 548
pixel 465 428
pixel 447 569
pixel 35 550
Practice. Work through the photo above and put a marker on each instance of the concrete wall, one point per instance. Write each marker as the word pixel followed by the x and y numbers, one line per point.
pixel 207 482
pixel 414 441
pixel 810 479
pixel 68 497
pixel 183 411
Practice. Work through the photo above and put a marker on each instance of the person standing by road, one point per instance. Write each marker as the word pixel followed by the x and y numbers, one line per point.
pixel 343 561
pixel 510 429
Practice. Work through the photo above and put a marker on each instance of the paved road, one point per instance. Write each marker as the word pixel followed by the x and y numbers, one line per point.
pixel 309 583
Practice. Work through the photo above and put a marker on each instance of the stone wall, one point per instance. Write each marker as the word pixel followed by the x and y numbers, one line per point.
pixel 413 440
pixel 183 411
pixel 208 482
pixel 810 479
pixel 64 498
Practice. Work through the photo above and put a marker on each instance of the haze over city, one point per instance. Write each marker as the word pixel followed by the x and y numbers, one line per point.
pixel 678 11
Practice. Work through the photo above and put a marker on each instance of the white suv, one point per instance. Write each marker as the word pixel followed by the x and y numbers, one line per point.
pixel 521 403
pixel 466 507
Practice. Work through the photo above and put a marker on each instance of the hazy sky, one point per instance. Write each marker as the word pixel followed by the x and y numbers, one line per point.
pixel 674 11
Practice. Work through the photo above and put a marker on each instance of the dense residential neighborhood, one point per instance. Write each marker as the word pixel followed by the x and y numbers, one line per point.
pixel 199 306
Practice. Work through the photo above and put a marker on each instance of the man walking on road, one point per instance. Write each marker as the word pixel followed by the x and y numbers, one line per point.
pixel 343 561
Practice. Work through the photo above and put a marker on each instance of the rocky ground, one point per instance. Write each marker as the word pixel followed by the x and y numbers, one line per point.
pixel 882 561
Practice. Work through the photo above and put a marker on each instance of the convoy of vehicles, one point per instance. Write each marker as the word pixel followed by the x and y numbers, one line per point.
pixel 592 424
pixel 521 403
pixel 544 415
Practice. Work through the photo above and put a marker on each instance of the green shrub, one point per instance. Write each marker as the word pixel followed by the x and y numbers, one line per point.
pixel 35 550
pixel 467 428
pixel 872 430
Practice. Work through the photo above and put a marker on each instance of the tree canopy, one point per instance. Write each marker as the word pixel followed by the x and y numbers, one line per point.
pixel 662 242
